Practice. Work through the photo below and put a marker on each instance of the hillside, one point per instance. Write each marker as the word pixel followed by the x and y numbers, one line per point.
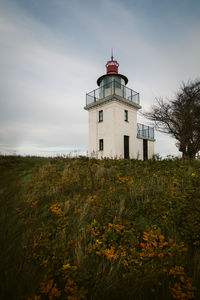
pixel 99 229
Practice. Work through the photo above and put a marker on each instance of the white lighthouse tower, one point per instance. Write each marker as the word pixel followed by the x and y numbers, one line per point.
pixel 113 128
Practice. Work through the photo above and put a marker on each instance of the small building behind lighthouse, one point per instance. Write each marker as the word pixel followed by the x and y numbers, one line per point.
pixel 113 128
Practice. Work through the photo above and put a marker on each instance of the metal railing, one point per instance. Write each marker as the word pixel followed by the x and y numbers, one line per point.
pixel 144 131
pixel 112 88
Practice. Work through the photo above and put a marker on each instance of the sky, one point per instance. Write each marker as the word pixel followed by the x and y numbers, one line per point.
pixel 53 51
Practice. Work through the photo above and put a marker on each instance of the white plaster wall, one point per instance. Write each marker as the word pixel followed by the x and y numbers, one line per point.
pixel 92 132
pixel 150 149
pixel 112 131
pixel 139 149
pixel 125 128
pixel 101 130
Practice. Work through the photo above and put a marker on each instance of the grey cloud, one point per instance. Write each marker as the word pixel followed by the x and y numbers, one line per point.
pixel 47 65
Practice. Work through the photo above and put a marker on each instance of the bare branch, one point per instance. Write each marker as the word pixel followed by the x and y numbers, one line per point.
pixel 180 117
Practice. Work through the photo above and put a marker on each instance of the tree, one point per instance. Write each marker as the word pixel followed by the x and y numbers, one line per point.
pixel 180 118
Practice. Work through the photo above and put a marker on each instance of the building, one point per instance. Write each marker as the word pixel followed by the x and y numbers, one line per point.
pixel 113 128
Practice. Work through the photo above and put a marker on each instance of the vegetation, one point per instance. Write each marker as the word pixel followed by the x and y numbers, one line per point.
pixel 180 118
pixel 99 229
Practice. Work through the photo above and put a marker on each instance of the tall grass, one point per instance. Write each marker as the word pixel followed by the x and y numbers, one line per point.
pixel 99 229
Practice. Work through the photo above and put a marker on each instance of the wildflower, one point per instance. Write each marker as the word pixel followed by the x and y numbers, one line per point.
pixel 55 292
pixel 55 209
pixel 110 254
pixel 65 267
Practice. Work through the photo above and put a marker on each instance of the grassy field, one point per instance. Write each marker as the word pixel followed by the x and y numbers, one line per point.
pixel 99 229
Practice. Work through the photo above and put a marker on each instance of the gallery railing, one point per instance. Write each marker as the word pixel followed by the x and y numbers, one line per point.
pixel 112 88
pixel 144 131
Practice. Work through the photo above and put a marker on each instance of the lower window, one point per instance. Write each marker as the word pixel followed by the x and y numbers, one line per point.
pixel 126 146
pixel 101 145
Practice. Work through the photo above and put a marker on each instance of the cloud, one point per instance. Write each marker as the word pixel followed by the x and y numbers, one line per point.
pixel 42 89
pixel 51 54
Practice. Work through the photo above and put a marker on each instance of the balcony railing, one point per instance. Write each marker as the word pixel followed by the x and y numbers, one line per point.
pixel 144 131
pixel 112 88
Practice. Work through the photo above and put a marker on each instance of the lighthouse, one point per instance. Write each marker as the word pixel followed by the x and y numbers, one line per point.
pixel 113 128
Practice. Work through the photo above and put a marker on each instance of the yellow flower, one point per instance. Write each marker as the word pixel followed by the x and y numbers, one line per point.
pixel 65 267
pixel 55 209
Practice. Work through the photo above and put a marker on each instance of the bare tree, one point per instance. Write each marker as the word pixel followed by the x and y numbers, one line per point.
pixel 180 118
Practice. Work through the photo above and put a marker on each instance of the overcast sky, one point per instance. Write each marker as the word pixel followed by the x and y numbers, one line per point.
pixel 53 51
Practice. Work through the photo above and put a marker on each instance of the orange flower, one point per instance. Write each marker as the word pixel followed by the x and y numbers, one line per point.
pixel 55 209
pixel 55 292
pixel 110 254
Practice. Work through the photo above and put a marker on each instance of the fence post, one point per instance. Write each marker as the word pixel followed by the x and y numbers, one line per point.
pixel 94 97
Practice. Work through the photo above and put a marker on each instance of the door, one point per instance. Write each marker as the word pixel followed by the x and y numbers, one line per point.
pixel 126 146
pixel 145 149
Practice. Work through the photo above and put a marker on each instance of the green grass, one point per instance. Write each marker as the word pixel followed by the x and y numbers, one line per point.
pixel 15 173
pixel 99 229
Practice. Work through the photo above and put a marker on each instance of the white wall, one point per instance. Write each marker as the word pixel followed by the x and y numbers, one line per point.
pixel 112 131
pixel 140 148
pixel 150 149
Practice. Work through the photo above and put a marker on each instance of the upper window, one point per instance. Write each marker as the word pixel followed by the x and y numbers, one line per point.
pixel 117 82
pixel 126 115
pixel 101 116
pixel 107 83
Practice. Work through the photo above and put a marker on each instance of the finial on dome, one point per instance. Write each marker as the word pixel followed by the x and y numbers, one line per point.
pixel 112 53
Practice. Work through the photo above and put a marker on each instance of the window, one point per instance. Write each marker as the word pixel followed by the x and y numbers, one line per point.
pixel 126 146
pixel 126 115
pixel 117 82
pixel 101 145
pixel 107 83
pixel 101 116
